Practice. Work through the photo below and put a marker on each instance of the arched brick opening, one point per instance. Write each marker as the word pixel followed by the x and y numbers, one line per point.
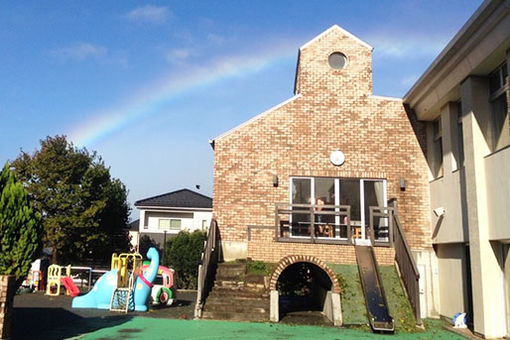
pixel 291 259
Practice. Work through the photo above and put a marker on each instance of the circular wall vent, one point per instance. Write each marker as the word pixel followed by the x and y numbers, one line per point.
pixel 337 60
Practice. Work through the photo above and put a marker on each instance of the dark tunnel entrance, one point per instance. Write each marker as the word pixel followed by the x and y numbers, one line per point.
pixel 302 289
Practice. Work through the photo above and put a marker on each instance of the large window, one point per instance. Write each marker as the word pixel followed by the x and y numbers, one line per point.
pixel 359 194
pixel 498 86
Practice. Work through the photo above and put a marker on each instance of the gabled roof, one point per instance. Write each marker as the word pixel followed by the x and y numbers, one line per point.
pixel 183 198
pixel 296 95
pixel 341 30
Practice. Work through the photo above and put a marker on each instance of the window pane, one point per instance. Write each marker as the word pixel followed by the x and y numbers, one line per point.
pixel 460 139
pixel 495 81
pixel 301 193
pixel 163 223
pixel 325 194
pixel 349 195
pixel 301 190
pixel 437 168
pixel 501 128
pixel 175 224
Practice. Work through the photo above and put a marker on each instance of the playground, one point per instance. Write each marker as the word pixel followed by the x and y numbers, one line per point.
pixel 126 288
pixel 41 317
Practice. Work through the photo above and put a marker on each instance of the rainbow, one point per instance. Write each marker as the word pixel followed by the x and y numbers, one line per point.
pixel 148 102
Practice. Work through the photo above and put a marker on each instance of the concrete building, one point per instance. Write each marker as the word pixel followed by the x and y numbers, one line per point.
pixel 463 96
pixel 171 213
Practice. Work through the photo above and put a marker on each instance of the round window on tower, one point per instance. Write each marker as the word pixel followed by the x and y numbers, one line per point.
pixel 337 60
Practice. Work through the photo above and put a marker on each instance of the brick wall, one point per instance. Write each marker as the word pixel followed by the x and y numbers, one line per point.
pixel 6 295
pixel 262 247
pixel 333 110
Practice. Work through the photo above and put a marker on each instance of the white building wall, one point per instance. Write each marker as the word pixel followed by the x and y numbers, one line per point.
pixel 497 167
pixel 190 220
pixel 451 260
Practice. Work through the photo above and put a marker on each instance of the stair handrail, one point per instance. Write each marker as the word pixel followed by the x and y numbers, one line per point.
pixel 208 260
pixel 406 264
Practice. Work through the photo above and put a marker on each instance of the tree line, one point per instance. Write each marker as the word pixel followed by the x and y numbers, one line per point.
pixel 82 210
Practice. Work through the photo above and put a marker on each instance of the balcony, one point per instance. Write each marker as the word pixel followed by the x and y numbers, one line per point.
pixel 332 224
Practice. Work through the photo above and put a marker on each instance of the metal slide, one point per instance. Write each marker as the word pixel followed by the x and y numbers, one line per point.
pixel 377 306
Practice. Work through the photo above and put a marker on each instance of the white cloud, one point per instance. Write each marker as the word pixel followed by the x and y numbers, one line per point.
pixel 149 14
pixel 79 51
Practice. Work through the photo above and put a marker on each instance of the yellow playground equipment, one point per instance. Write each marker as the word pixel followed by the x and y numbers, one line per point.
pixel 53 283
pixel 128 264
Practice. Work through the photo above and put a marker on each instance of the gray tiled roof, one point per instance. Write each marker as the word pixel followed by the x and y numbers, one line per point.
pixel 183 198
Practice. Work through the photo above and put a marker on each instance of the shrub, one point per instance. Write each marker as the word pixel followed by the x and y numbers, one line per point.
pixel 183 254
pixel 260 267
pixel 20 228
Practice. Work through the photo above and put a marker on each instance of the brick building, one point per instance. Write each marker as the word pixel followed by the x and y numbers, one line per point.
pixel 299 178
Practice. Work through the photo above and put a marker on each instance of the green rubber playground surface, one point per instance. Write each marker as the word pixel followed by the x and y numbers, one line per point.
pixel 150 328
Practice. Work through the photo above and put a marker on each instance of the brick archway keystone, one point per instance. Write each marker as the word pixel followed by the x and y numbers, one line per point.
pixel 291 259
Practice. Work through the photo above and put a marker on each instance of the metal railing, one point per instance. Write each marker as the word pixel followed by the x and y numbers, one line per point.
pixel 313 223
pixel 208 262
pixel 331 224
pixel 381 226
pixel 407 266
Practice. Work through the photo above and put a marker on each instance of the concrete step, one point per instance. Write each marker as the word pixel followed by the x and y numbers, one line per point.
pixel 229 284
pixel 233 316
pixel 239 309
pixel 240 295
pixel 235 301
pixel 229 268
pixel 240 290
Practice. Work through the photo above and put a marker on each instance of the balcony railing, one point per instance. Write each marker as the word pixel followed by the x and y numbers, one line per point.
pixel 207 266
pixel 313 223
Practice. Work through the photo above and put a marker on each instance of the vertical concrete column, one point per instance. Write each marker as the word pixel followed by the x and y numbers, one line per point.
pixel 488 297
pixel 274 313
pixel 336 306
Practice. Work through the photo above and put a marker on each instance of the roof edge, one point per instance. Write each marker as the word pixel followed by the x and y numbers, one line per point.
pixel 251 120
pixel 395 99
pixel 137 203
pixel 336 27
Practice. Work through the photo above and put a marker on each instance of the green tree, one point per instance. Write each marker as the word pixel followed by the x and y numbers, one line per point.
pixel 20 228
pixel 183 254
pixel 84 209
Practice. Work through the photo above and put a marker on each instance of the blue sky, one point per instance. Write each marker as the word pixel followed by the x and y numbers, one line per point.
pixel 147 84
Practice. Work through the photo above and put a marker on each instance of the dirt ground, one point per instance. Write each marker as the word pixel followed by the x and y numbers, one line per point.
pixel 36 316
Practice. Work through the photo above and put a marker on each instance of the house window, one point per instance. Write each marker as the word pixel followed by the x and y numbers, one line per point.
pixel 204 224
pixel 437 149
pixel 498 86
pixel 169 224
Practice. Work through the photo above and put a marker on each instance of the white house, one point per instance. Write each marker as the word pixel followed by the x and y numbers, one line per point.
pixel 173 212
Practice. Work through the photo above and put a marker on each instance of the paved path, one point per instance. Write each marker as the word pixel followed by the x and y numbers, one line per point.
pixel 147 328
pixel 36 316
